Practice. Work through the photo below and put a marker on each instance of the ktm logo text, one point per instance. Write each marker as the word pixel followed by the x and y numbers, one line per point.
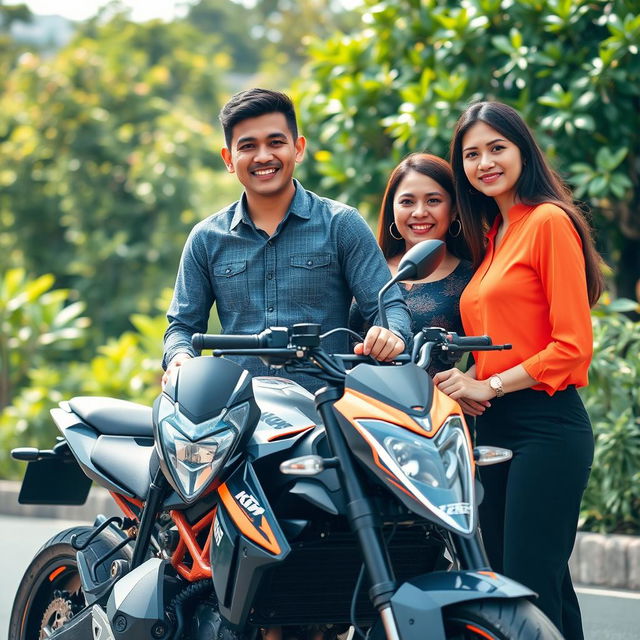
pixel 249 503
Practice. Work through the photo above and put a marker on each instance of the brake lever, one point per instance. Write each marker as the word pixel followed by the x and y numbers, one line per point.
pixel 425 355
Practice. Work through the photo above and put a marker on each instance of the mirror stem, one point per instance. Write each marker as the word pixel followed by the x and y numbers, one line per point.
pixel 382 312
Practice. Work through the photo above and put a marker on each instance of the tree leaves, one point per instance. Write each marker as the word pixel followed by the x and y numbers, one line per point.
pixel 568 66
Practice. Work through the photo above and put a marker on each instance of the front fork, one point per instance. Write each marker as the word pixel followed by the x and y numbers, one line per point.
pixel 364 522
pixel 361 514
pixel 471 553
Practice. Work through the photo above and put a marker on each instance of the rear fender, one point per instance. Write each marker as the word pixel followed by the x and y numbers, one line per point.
pixel 417 605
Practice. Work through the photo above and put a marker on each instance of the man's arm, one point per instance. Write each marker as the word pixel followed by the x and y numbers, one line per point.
pixel 192 300
pixel 366 272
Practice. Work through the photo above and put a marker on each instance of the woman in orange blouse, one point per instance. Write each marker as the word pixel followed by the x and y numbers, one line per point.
pixel 537 276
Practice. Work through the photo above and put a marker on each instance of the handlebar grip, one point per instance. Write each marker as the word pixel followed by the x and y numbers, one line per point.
pixel 201 341
pixel 471 341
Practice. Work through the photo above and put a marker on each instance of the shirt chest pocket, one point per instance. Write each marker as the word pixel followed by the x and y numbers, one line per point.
pixel 309 277
pixel 231 285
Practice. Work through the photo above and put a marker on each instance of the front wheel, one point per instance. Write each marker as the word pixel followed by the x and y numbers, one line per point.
pixel 498 620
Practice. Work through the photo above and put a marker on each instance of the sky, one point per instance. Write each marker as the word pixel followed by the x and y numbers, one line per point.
pixel 142 10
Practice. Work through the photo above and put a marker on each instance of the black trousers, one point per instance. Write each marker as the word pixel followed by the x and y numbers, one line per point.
pixel 529 514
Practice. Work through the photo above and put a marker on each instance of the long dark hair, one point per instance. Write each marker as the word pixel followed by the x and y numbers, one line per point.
pixel 538 183
pixel 438 170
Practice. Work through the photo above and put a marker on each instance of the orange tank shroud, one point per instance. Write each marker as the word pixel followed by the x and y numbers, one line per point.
pixel 355 405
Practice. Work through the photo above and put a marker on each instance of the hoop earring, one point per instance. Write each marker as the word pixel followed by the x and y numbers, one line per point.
pixel 391 231
pixel 459 229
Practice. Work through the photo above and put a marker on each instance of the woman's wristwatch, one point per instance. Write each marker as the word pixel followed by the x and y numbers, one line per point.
pixel 495 382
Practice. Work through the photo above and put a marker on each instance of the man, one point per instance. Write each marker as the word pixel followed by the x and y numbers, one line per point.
pixel 281 254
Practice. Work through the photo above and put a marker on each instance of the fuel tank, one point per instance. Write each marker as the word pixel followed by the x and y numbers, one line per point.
pixel 286 409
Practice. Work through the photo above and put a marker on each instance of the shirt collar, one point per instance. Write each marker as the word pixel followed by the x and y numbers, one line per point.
pixel 517 212
pixel 299 207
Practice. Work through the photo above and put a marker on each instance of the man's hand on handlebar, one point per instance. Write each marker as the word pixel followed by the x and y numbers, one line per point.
pixel 381 344
pixel 172 369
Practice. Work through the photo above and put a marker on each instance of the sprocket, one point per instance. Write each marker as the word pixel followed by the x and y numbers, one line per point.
pixel 60 610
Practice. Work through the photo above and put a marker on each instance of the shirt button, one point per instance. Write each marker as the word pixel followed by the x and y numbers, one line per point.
pixel 270 309
pixel 269 276
pixel 309 262
pixel 227 270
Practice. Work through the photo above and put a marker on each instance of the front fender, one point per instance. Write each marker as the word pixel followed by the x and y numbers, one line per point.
pixel 417 604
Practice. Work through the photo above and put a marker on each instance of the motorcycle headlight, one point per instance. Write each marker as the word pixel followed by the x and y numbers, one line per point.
pixel 194 453
pixel 437 471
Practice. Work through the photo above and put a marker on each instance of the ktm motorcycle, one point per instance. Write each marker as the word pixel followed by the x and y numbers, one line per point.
pixel 251 508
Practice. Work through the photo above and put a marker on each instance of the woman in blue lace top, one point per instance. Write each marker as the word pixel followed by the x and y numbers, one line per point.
pixel 419 204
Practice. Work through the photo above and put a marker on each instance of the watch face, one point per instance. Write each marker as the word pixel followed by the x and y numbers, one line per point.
pixel 494 383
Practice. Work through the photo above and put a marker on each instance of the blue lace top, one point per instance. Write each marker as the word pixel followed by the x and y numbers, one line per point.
pixel 432 304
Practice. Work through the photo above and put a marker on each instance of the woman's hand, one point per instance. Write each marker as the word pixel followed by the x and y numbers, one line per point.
pixel 472 395
pixel 473 408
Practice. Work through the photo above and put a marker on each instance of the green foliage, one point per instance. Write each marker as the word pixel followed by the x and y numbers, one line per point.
pixel 38 325
pixel 127 368
pixel 9 49
pixel 104 152
pixel 612 500
pixel 399 84
pixel 269 37
pixel 232 23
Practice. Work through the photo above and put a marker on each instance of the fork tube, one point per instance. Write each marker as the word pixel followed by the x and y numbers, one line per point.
pixel 362 517
pixel 148 518
pixel 471 552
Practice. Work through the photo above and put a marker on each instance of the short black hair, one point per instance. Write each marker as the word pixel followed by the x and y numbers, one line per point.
pixel 253 103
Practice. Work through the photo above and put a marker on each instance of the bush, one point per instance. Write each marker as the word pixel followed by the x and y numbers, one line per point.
pixel 612 499
pixel 127 367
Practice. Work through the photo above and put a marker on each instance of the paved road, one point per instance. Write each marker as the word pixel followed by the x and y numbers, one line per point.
pixel 608 614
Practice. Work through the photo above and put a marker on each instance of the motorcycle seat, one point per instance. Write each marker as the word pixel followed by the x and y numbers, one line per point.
pixel 114 417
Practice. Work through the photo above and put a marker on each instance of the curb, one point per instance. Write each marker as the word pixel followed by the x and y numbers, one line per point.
pixel 606 560
pixel 600 560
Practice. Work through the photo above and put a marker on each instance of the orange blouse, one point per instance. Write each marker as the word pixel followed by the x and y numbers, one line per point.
pixel 532 292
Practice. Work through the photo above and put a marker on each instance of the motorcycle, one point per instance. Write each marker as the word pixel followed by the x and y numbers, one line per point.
pixel 253 509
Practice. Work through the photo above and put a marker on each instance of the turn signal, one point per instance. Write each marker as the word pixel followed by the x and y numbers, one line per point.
pixel 303 466
pixel 484 456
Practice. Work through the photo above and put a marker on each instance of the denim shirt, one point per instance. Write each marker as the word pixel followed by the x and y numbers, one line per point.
pixel 321 256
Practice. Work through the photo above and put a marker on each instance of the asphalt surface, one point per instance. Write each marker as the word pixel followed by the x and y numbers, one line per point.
pixel 607 614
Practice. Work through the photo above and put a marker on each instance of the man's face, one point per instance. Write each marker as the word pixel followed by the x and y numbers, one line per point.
pixel 263 154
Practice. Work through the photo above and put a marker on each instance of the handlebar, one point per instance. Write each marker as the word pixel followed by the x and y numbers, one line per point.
pixel 271 338
pixel 470 342
pixel 299 347
pixel 201 341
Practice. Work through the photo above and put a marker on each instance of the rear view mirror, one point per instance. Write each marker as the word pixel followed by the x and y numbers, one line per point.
pixel 417 263
pixel 421 260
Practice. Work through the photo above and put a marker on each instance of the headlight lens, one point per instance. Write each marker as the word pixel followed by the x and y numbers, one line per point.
pixel 437 471
pixel 194 453
pixel 415 461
